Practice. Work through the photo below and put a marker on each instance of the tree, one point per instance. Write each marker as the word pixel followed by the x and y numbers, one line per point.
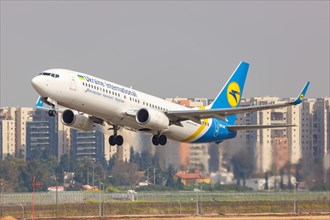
pixel 170 176
pixel 179 184
pixel 243 164
pixel 112 162
pixel 266 181
pixel 281 181
pixel 124 173
pixel 146 160
pixel 65 163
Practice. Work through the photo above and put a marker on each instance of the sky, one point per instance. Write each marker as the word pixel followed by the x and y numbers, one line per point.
pixel 167 48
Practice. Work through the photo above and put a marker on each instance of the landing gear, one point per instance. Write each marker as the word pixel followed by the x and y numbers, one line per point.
pixel 116 139
pixel 159 139
pixel 52 113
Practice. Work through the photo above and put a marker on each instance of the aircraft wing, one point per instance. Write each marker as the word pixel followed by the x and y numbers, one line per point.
pixel 196 115
pixel 255 127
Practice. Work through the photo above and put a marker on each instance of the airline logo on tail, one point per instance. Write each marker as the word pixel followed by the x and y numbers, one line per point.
pixel 302 96
pixel 233 94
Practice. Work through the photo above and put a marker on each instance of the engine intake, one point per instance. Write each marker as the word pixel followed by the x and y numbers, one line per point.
pixel 77 121
pixel 152 119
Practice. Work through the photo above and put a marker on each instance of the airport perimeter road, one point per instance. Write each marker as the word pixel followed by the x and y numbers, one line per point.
pixel 181 217
pixel 305 217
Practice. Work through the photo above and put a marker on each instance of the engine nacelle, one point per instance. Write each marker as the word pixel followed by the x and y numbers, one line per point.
pixel 152 119
pixel 77 121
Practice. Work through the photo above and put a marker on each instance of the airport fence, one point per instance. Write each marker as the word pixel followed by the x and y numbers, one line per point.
pixel 50 204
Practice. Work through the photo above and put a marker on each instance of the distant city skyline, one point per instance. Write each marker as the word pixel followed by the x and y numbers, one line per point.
pixel 23 130
pixel 167 48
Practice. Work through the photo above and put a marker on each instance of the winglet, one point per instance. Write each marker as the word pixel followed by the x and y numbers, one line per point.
pixel 301 96
pixel 39 103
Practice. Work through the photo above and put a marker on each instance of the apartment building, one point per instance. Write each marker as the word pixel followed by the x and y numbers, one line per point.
pixel 23 115
pixel 315 129
pixel 41 135
pixel 7 132
pixel 263 142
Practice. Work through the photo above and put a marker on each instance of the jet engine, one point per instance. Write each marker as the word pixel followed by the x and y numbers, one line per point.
pixel 152 119
pixel 77 121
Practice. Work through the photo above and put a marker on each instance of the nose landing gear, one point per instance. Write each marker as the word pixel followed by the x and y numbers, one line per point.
pixel 52 113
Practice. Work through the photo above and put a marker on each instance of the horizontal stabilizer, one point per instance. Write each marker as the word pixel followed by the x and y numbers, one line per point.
pixel 255 127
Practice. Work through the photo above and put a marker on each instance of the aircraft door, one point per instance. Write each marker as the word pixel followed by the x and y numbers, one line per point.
pixel 73 82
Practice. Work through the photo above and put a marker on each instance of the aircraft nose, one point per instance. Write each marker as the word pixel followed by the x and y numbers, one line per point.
pixel 37 84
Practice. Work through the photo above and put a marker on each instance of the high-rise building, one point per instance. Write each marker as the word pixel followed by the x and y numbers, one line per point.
pixel 307 130
pixel 262 141
pixel 281 154
pixel 41 135
pixel 315 129
pixel 23 115
pixel 7 132
pixel 192 156
pixel 169 155
pixel 64 138
pixel 88 144
pixel 7 139
pixel 199 157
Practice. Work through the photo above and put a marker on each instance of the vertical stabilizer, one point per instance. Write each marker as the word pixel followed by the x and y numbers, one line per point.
pixel 231 93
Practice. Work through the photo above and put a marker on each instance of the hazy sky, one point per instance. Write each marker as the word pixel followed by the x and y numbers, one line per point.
pixel 167 48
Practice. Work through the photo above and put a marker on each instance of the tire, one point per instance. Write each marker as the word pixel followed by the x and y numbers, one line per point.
pixel 112 140
pixel 162 139
pixel 155 140
pixel 119 140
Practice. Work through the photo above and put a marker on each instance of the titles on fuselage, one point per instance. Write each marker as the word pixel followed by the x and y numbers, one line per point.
pixel 110 86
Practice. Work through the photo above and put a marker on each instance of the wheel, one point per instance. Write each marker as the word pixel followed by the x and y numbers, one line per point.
pixel 112 140
pixel 119 140
pixel 155 140
pixel 162 139
pixel 51 113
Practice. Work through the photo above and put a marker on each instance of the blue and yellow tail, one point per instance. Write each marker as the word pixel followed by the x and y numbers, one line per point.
pixel 231 93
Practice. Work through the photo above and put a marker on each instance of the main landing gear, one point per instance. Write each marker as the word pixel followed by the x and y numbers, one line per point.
pixel 116 139
pixel 159 139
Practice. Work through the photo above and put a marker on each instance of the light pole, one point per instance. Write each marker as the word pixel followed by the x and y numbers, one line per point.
pixel 93 179
pixel 88 176
pixel 2 184
pixel 294 198
pixel 197 197
pixel 201 206
pixel 101 188
pixel 56 193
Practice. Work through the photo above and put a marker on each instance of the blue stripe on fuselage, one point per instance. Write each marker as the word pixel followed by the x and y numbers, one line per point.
pixel 217 132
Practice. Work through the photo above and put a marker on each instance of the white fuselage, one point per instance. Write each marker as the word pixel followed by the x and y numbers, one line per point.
pixel 111 102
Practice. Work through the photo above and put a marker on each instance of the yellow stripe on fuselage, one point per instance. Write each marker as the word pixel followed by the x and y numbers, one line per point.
pixel 199 130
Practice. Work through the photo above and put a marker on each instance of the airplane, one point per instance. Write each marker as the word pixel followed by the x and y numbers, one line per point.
pixel 91 102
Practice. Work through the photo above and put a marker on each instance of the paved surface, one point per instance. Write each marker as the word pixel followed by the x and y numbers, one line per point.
pixel 253 217
pixel 306 217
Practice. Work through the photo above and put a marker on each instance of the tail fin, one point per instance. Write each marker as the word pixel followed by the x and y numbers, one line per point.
pixel 231 93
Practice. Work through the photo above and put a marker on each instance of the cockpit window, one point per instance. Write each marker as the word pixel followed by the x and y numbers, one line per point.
pixel 50 74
